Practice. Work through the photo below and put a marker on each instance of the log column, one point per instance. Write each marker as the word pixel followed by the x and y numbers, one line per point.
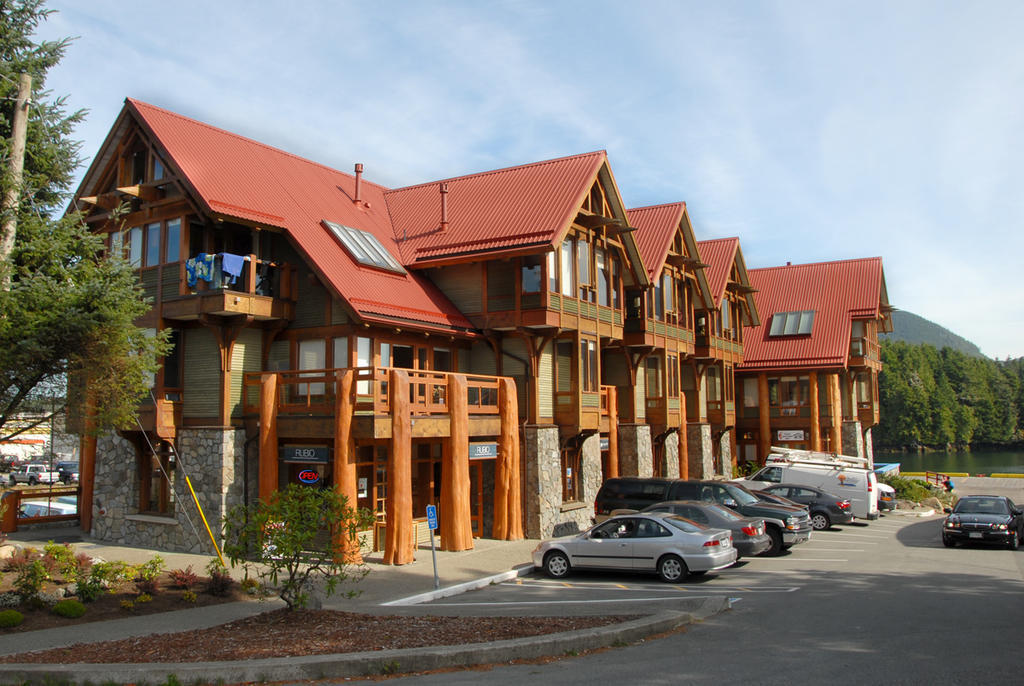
pixel 87 469
pixel 815 417
pixel 764 435
pixel 344 458
pixel 508 507
pixel 613 433
pixel 268 437
pixel 456 515
pixel 399 546
pixel 836 410
pixel 682 449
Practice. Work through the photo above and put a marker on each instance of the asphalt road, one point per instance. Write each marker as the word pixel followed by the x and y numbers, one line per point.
pixel 864 604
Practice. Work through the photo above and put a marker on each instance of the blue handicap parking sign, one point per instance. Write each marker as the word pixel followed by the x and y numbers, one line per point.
pixel 431 517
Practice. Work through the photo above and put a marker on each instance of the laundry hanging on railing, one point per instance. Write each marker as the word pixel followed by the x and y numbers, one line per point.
pixel 199 267
pixel 232 265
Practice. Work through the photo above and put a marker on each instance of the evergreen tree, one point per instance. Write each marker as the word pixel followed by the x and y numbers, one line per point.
pixel 70 310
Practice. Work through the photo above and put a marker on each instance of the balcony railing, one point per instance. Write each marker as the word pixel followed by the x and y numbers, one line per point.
pixel 864 347
pixel 313 391
pixel 240 273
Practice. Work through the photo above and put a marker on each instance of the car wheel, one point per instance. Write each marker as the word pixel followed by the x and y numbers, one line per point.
pixel 671 568
pixel 820 521
pixel 556 564
pixel 776 546
pixel 32 481
pixel 948 542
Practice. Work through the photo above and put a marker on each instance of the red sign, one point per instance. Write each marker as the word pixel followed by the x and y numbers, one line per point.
pixel 309 476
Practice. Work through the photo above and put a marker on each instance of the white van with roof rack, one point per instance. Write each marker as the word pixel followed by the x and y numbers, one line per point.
pixel 842 475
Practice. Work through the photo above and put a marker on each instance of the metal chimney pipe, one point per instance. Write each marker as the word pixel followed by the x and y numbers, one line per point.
pixel 359 179
pixel 444 207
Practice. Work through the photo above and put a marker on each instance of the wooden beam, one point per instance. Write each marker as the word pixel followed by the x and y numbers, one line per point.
pixel 399 546
pixel 268 437
pixel 142 192
pixel 456 511
pixel 344 459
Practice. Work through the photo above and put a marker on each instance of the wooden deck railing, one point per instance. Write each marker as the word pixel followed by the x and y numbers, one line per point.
pixel 313 391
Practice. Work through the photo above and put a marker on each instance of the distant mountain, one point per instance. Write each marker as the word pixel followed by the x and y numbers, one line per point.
pixel 907 326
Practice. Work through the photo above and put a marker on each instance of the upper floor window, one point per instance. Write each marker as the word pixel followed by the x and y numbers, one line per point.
pixel 588 365
pixel 792 323
pixel 152 244
pixel 603 290
pixel 565 273
pixel 133 245
pixel 531 273
pixel 583 269
pixel 364 247
pixel 789 393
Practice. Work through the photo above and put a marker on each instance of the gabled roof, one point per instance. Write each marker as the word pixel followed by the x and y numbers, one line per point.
pixel 519 207
pixel 721 255
pixel 656 228
pixel 237 178
pixel 838 292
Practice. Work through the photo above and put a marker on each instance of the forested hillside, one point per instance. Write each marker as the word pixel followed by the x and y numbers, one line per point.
pixel 909 327
pixel 938 397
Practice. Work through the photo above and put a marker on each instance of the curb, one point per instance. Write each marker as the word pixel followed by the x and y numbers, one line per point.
pixel 913 513
pixel 370 662
pixel 448 591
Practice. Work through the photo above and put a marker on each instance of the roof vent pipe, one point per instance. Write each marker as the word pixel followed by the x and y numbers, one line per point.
pixel 444 207
pixel 359 179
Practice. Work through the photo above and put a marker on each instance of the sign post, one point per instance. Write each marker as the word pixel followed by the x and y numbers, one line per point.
pixel 432 524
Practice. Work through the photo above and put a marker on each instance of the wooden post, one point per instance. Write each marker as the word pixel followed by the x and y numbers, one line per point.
pixel 15 168
pixel 268 437
pixel 456 513
pixel 508 509
pixel 764 442
pixel 836 410
pixel 613 433
pixel 399 546
pixel 344 457
pixel 683 449
pixel 87 471
pixel 815 418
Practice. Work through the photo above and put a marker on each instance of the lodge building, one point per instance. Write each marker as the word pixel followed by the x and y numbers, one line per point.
pixel 494 344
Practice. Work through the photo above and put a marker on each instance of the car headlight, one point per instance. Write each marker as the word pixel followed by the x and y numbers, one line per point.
pixel 1001 527
pixel 952 523
pixel 791 522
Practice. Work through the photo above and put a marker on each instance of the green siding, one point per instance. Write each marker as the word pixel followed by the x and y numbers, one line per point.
pixel 310 303
pixel 546 381
pixel 148 278
pixel 202 374
pixel 169 281
pixel 245 357
pixel 641 395
pixel 279 358
pixel 501 286
pixel 481 360
pixel 461 283
pixel 338 315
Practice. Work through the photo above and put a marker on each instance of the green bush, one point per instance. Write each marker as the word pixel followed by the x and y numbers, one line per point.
pixel 914 490
pixel 29 580
pixel 10 618
pixel 70 608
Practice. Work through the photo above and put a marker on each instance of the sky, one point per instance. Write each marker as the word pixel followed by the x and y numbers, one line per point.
pixel 814 131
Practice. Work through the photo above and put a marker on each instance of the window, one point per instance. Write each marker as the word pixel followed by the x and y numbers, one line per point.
pixel 133 242
pixel 156 480
pixel 750 394
pixel 172 367
pixel 172 239
pixel 152 244
pixel 653 376
pixel 553 271
pixel 311 356
pixel 789 393
pixel 616 293
pixel 568 285
pixel 364 353
pixel 571 475
pixel 726 315
pixel 672 369
pixel 531 274
pixel 588 362
pixel 563 366
pixel 714 381
pixel 792 323
pixel 364 248
pixel 158 169
pixel 603 293
pixel 583 268
pixel 442 360
pixel 668 288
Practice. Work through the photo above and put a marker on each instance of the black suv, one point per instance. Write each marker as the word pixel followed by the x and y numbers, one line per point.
pixel 68 471
pixel 786 526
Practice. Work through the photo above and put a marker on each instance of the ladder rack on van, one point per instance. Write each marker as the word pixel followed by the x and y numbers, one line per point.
pixel 795 455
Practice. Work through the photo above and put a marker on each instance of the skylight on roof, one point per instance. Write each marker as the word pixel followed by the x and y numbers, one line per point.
pixel 364 247
pixel 792 323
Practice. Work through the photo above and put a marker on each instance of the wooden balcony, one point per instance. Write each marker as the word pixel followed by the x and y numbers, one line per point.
pixel 712 347
pixel 264 290
pixel 664 412
pixel 865 354
pixel 722 413
pixel 306 402
pixel 653 332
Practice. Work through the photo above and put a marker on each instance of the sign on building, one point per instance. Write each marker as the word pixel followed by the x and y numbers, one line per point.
pixel 482 451
pixel 318 454
pixel 791 435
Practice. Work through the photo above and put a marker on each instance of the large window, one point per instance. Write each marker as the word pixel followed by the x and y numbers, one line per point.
pixel 571 486
pixel 566 275
pixel 172 238
pixel 364 247
pixel 173 367
pixel 312 356
pixel 603 290
pixel 364 358
pixel 653 376
pixel 583 268
pixel 152 244
pixel 789 393
pixel 531 274
pixel 672 375
pixel 156 480
pixel 133 243
pixel 792 323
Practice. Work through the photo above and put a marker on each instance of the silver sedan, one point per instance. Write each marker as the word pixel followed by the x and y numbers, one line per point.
pixel 658 542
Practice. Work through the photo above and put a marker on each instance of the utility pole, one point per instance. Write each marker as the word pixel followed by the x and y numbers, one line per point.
pixel 15 169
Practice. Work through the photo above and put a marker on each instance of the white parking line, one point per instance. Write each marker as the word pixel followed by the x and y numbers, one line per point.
pixel 659 588
pixel 847 534
pixel 806 559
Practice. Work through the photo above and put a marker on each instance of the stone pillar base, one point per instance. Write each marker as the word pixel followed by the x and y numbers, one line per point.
pixel 670 455
pixel 853 439
pixel 698 450
pixel 636 455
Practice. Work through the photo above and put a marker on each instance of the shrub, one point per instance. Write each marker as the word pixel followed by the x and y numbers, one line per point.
pixel 183 578
pixel 219 582
pixel 144 598
pixel 29 580
pixel 10 618
pixel 21 558
pixel 285 535
pixel 189 596
pixel 914 490
pixel 128 605
pixel 147 573
pixel 69 607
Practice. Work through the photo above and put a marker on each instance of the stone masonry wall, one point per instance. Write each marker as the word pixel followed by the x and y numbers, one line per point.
pixel 853 440
pixel 671 455
pixel 546 514
pixel 636 454
pixel 698 448
pixel 212 459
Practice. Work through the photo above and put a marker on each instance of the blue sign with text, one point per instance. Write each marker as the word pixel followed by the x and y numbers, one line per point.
pixel 431 517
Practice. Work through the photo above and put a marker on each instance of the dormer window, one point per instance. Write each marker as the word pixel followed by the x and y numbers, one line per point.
pixel 792 323
pixel 364 248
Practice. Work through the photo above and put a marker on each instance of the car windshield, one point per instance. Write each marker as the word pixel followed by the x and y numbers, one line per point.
pixel 740 495
pixel 683 524
pixel 725 513
pixel 995 506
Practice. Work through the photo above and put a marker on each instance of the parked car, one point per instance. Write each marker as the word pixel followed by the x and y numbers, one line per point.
pixel 42 508
pixel 886 496
pixel 983 519
pixel 749 534
pixel 33 474
pixel 68 472
pixel 826 508
pixel 8 462
pixel 766 497
pixel 787 526
pixel 657 542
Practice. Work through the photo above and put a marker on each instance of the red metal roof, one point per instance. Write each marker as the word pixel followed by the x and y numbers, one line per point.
pixel 505 209
pixel 655 226
pixel 240 178
pixel 837 291
pixel 719 254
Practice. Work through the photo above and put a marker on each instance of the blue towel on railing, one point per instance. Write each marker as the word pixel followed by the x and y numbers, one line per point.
pixel 232 265
pixel 199 267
